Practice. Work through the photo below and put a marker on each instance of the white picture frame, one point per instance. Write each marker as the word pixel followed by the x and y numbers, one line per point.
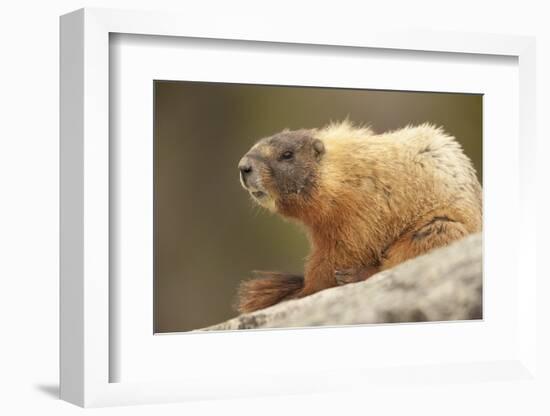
pixel 86 302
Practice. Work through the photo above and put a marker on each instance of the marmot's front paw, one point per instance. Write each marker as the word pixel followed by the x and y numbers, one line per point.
pixel 346 276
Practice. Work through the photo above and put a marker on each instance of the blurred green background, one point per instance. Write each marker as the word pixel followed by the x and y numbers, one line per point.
pixel 208 233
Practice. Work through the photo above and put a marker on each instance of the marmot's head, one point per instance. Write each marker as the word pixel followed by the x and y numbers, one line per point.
pixel 282 169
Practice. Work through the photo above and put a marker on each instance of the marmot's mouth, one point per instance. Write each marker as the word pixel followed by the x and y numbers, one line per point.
pixel 258 194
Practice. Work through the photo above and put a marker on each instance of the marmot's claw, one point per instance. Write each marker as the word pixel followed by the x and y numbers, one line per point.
pixel 344 272
pixel 345 276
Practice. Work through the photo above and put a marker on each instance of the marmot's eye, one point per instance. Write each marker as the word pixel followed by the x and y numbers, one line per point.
pixel 287 155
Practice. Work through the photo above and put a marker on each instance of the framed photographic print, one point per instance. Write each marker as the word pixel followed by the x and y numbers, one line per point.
pixel 356 182
pixel 247 213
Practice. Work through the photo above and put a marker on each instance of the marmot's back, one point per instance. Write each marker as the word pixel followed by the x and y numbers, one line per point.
pixel 403 174
pixel 443 169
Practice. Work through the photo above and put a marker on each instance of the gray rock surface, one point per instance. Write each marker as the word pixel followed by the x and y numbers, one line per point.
pixel 445 284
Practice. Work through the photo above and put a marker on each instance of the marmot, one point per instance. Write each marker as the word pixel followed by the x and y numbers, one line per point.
pixel 368 201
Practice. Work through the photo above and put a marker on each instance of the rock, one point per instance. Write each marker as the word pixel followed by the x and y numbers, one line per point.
pixel 443 285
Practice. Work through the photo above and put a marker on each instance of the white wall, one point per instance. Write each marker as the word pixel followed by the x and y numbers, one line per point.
pixel 29 204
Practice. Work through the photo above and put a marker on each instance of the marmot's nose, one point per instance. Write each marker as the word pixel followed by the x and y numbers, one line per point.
pixel 244 166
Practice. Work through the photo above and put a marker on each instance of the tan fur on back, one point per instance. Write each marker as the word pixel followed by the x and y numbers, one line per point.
pixel 385 184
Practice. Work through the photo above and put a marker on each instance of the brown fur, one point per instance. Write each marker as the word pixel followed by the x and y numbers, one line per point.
pixel 268 288
pixel 369 201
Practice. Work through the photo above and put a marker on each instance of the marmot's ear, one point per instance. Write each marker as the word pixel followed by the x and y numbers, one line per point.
pixel 319 148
